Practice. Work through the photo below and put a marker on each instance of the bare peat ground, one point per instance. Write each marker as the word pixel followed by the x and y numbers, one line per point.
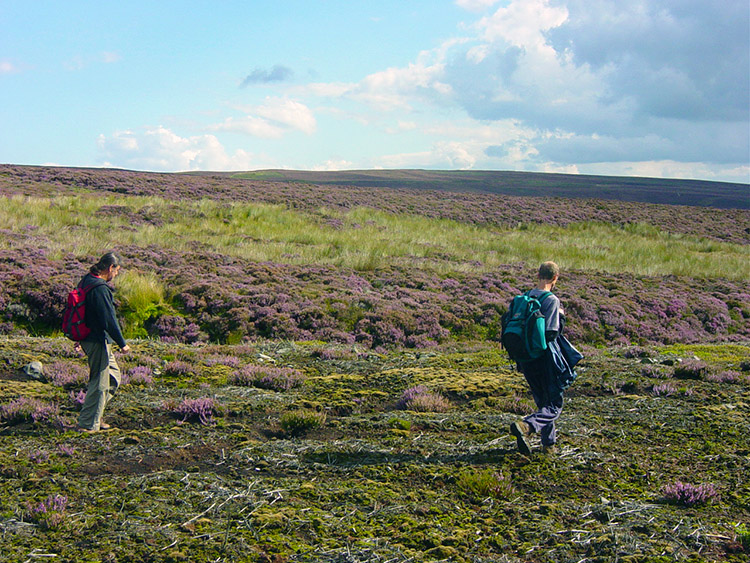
pixel 373 482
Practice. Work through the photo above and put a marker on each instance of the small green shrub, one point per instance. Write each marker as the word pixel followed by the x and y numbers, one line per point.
pixel 484 484
pixel 399 424
pixel 298 423
pixel 743 536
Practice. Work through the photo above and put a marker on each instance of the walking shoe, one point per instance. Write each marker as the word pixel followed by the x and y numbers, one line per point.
pixel 86 430
pixel 550 449
pixel 104 426
pixel 521 430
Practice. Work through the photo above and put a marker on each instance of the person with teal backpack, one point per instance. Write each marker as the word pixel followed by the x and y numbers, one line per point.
pixel 532 335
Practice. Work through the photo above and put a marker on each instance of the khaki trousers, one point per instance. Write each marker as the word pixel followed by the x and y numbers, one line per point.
pixel 104 379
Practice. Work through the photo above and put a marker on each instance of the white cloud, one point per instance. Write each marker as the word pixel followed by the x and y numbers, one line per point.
pixel 290 113
pixel 475 5
pixel 7 67
pixel 443 154
pixel 249 125
pixel 333 165
pixel 645 83
pixel 159 149
pixel 271 119
pixel 671 169
pixel 522 23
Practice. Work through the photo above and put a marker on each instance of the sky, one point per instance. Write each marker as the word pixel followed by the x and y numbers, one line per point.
pixel 657 88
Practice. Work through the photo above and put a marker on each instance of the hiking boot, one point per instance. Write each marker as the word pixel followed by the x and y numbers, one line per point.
pixel 104 426
pixel 550 449
pixel 521 430
pixel 86 430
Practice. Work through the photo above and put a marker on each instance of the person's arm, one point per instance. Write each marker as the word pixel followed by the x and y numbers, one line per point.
pixel 553 317
pixel 105 306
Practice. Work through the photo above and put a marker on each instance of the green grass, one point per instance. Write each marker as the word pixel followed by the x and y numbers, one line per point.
pixel 366 239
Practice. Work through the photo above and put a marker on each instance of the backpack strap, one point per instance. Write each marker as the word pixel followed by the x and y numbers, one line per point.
pixel 92 285
pixel 541 298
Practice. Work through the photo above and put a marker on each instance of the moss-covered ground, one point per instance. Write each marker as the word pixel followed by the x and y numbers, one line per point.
pixel 375 483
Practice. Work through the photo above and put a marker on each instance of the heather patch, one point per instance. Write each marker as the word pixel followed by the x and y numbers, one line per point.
pixel 194 410
pixel 26 409
pixel 691 369
pixel 420 399
pixel 49 513
pixel 138 375
pixel 67 374
pixel 267 377
pixel 688 494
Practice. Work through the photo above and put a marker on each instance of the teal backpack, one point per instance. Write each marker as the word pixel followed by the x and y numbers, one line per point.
pixel 523 328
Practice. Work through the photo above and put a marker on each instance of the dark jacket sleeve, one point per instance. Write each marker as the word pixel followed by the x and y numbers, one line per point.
pixel 100 315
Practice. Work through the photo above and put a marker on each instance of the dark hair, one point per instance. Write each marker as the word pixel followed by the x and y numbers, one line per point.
pixel 109 259
pixel 548 271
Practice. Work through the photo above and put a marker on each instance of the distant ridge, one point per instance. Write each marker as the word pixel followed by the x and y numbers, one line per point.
pixel 700 193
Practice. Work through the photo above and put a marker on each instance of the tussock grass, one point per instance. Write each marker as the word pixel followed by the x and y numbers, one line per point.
pixel 363 239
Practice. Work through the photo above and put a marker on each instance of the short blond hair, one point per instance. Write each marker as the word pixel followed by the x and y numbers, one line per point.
pixel 549 271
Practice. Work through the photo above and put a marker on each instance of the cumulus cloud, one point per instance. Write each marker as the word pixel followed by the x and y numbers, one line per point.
pixel 334 165
pixel 279 73
pixel 657 81
pixel 271 119
pixel 475 5
pixel 159 149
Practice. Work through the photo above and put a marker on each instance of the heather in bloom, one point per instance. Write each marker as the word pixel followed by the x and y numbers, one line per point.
pixel 663 390
pixel 654 372
pixel 691 369
pixel 178 368
pixel 66 450
pixel 268 377
pixel 138 375
pixel 67 374
pixel 202 410
pixel 223 360
pixel 688 495
pixel 727 376
pixel 39 456
pixel 25 409
pixel 49 513
pixel 77 398
pixel 420 399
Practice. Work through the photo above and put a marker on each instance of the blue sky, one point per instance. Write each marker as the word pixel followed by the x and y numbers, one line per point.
pixel 617 87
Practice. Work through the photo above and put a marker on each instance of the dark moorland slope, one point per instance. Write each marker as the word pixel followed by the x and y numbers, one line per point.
pixel 647 190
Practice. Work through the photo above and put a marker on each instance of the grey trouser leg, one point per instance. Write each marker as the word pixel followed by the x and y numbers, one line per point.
pixel 104 379
pixel 548 397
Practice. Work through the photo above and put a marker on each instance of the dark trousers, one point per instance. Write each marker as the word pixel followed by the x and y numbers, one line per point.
pixel 548 397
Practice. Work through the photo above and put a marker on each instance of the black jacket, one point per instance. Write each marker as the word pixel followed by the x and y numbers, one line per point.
pixel 100 312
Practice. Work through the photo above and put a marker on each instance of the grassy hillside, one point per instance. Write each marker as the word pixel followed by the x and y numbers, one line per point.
pixel 315 375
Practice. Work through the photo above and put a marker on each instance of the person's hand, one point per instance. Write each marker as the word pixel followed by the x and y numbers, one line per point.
pixel 125 349
pixel 77 347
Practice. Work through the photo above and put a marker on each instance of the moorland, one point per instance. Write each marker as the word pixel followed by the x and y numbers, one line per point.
pixel 315 372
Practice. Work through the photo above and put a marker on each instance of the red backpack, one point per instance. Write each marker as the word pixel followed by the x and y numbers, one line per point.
pixel 74 317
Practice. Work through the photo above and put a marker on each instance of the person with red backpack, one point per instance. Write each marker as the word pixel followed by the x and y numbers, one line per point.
pixel 100 320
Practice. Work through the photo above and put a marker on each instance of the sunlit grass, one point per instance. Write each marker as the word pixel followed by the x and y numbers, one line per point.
pixel 363 239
